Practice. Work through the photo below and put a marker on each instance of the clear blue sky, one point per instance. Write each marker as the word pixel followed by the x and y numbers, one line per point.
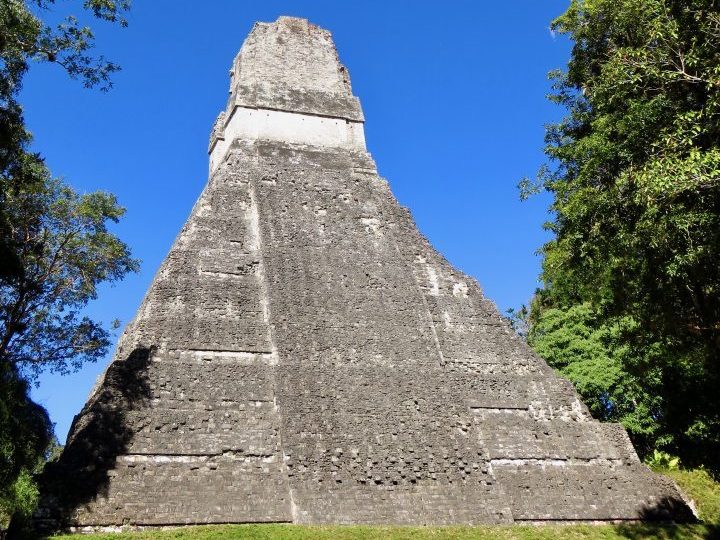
pixel 454 100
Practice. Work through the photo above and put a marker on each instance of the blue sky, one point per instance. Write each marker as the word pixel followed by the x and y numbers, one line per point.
pixel 454 100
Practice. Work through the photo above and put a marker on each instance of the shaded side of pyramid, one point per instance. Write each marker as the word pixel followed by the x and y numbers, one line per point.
pixel 304 355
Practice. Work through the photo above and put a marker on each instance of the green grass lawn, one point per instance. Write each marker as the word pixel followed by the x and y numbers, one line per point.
pixel 301 532
pixel 696 484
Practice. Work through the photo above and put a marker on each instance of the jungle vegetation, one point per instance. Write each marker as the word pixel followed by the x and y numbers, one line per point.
pixel 629 303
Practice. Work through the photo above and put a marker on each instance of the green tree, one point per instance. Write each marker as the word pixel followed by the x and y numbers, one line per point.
pixel 635 177
pixel 25 38
pixel 25 432
pixel 590 353
pixel 55 247
pixel 65 251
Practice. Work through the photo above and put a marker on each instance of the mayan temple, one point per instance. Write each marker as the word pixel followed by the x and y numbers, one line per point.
pixel 304 355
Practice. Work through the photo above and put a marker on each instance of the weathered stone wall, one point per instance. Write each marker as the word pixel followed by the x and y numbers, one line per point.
pixel 305 355
pixel 192 435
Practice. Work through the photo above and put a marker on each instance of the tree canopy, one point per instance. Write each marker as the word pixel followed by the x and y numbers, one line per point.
pixel 55 245
pixel 630 303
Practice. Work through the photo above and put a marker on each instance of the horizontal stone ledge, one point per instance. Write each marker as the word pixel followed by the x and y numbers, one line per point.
pixel 221 351
pixel 577 521
pixel 198 458
pixel 205 355
pixel 222 405
pixel 235 275
pixel 255 106
pixel 364 170
pixel 497 409
pixel 555 462
pixel 161 525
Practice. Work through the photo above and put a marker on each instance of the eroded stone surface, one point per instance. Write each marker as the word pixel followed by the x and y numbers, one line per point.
pixel 305 355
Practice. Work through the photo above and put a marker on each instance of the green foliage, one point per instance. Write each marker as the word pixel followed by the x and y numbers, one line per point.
pixel 25 432
pixel 66 250
pixel 55 247
pixel 662 461
pixel 635 179
pixel 20 500
pixel 590 354
pixel 26 37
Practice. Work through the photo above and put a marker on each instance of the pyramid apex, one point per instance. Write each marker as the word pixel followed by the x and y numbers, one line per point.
pixel 288 74
pixel 290 20
pixel 292 65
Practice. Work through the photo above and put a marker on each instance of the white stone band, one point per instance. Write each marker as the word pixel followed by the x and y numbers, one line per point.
pixel 288 127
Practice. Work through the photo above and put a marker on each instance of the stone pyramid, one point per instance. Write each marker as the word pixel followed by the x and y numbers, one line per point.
pixel 304 355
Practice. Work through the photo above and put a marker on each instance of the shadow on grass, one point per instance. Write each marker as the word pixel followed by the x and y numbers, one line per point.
pixel 668 519
pixel 668 509
pixel 667 531
pixel 98 435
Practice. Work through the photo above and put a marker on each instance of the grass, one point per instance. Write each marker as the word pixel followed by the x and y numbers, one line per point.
pixel 697 485
pixel 302 532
